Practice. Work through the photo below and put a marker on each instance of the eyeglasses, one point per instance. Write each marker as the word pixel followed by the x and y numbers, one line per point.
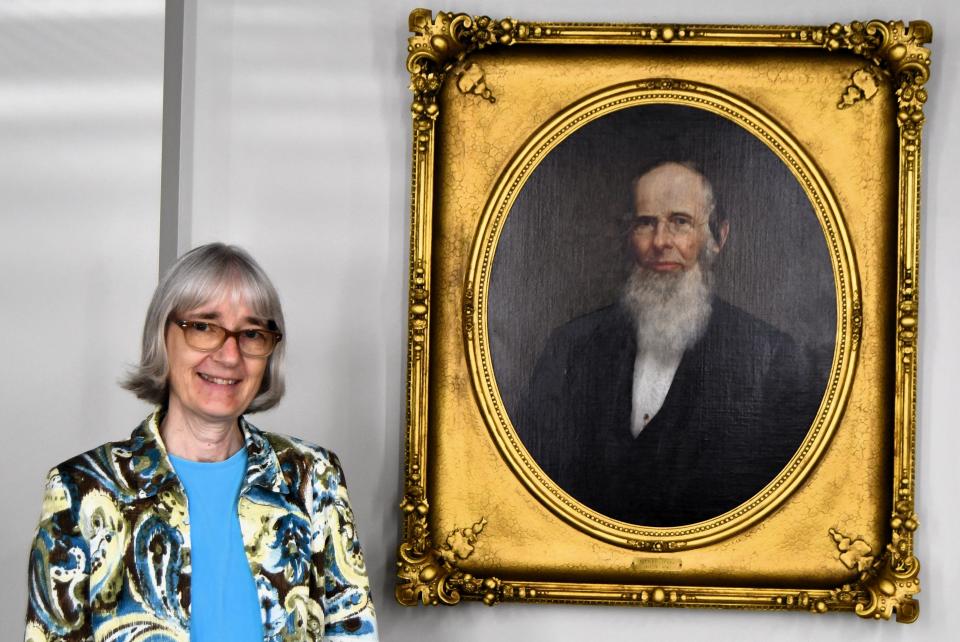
pixel 676 225
pixel 209 337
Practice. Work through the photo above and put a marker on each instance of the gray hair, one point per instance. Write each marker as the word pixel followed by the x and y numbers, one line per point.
pixel 202 275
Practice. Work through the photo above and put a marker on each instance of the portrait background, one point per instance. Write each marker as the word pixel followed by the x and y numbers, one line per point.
pixel 563 251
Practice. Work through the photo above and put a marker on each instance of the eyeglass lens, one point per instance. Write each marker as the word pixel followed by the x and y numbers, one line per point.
pixel 675 226
pixel 209 336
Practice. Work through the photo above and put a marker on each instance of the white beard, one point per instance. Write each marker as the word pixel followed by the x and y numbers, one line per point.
pixel 670 310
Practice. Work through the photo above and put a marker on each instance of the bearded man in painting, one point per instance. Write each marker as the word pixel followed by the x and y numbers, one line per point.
pixel 670 406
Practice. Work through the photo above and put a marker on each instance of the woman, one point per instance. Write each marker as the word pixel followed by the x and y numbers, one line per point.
pixel 201 526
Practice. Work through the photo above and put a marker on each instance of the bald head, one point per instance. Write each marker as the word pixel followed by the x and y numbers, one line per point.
pixel 678 180
pixel 673 204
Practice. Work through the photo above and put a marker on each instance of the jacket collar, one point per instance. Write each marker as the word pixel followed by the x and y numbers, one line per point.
pixel 154 470
pixel 263 466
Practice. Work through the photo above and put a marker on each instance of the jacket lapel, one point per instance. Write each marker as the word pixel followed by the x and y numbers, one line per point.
pixel 149 468
pixel 263 466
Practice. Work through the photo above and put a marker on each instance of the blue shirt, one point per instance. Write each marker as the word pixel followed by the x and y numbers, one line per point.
pixel 223 595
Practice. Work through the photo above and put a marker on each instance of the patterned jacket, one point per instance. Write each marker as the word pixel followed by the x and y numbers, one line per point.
pixel 111 559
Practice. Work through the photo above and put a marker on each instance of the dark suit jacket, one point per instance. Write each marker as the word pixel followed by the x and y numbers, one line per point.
pixel 738 408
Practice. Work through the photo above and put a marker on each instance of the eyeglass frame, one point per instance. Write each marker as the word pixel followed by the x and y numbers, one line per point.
pixel 235 334
pixel 634 220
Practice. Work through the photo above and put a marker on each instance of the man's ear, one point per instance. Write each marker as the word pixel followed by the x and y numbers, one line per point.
pixel 722 234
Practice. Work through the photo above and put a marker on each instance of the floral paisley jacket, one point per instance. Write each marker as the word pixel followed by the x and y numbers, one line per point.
pixel 111 559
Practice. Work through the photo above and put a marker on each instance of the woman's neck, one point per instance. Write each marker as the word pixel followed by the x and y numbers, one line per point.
pixel 192 438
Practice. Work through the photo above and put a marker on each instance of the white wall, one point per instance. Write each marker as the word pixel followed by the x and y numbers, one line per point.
pixel 80 130
pixel 300 122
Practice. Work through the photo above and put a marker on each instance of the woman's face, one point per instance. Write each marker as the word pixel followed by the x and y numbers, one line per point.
pixel 213 386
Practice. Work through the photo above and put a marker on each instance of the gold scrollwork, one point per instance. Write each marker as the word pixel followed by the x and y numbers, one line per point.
pixel 441 45
pixel 891 591
pixel 430 575
pixel 896 51
pixel 885 586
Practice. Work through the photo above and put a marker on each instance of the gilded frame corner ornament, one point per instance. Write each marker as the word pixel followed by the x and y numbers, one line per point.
pixel 891 62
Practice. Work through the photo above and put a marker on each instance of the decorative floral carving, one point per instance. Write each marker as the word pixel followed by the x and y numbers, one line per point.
pixel 854 553
pixel 430 575
pixel 890 591
pixel 666 84
pixel 897 52
pixel 864 85
pixel 847 595
pixel 886 585
pixel 657 546
pixel 459 543
pixel 441 45
pixel 471 80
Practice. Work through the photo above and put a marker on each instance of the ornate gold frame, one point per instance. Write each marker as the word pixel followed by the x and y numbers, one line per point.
pixel 851 526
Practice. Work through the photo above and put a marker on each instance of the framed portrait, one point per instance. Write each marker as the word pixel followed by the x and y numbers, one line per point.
pixel 663 314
